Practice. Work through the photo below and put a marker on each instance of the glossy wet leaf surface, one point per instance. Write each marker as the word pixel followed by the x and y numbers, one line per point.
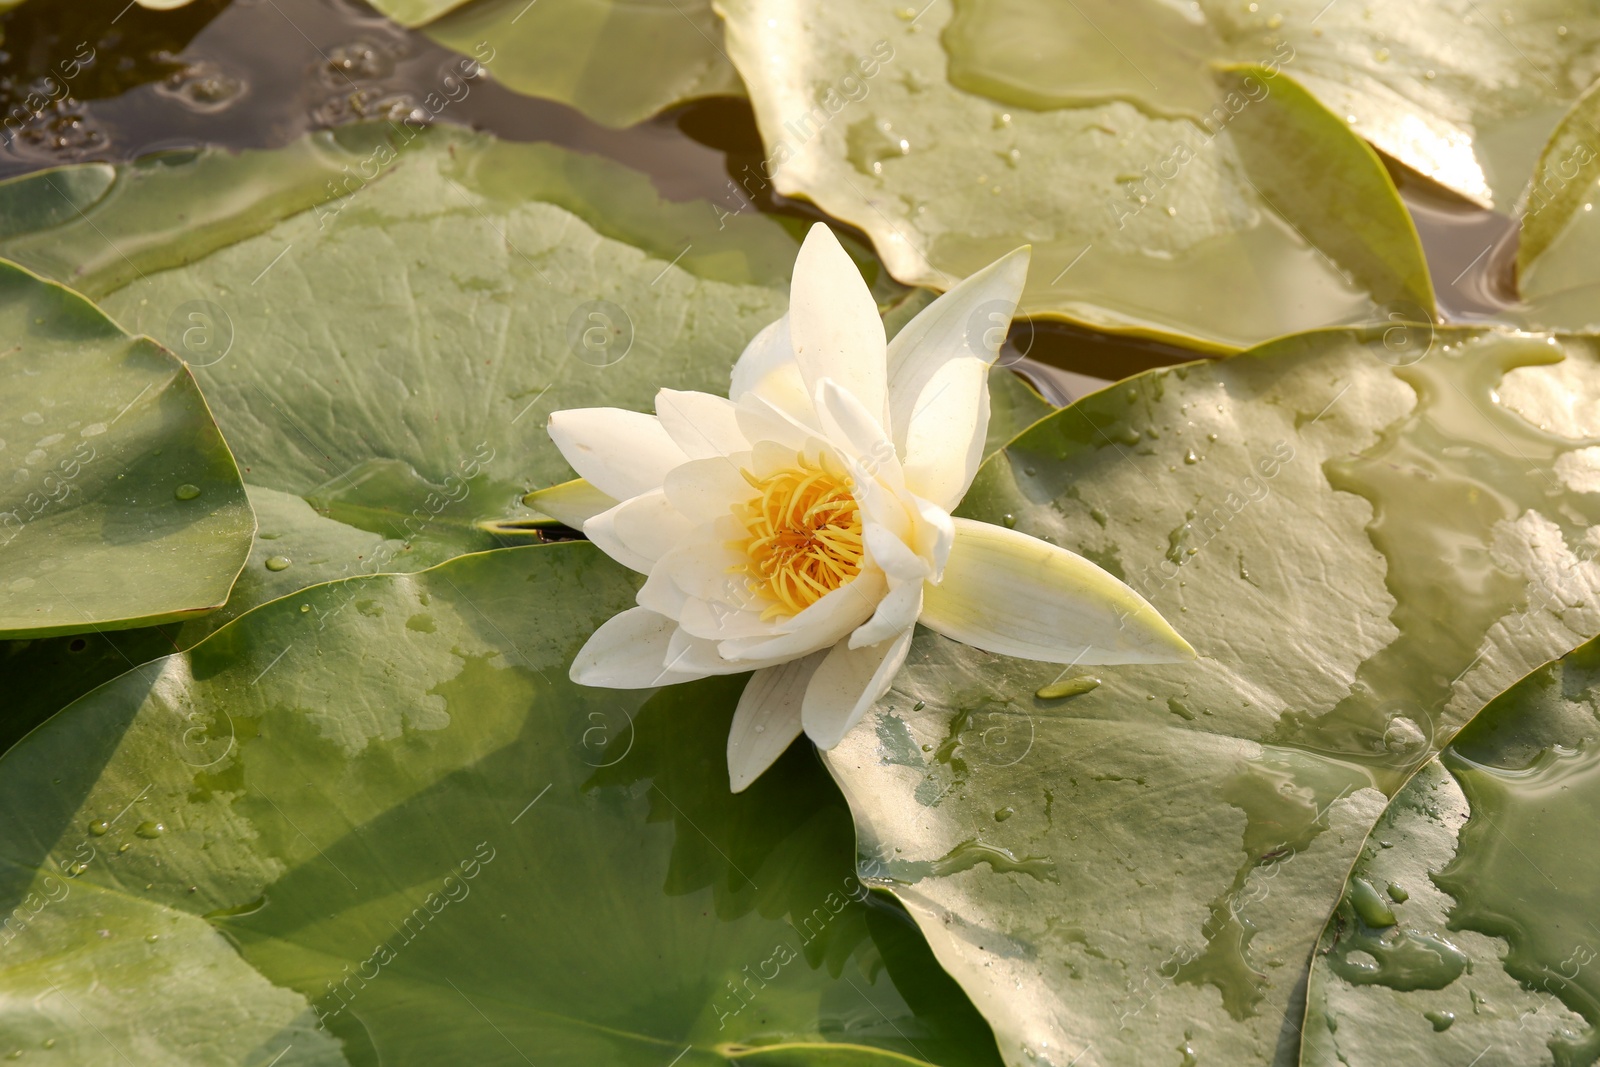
pixel 617 61
pixel 1488 936
pixel 1271 219
pixel 378 805
pixel 122 505
pixel 1140 860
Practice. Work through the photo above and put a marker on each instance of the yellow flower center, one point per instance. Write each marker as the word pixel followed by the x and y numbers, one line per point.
pixel 804 536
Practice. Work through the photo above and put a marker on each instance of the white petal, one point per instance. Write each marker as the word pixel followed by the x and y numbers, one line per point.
pixel 570 503
pixel 629 652
pixel 897 613
pixel 819 626
pixel 763 423
pixel 945 444
pixel 703 566
pixel 1006 592
pixel 893 555
pixel 852 427
pixel 661 594
pixel 621 453
pixel 846 684
pixel 701 424
pixel 649 525
pixel 834 323
pixel 768 369
pixel 706 488
pixel 700 657
pixel 717 620
pixel 601 530
pixel 936 533
pixel 767 719
pixel 938 378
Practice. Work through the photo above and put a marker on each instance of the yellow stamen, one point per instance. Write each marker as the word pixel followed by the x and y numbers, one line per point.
pixel 804 538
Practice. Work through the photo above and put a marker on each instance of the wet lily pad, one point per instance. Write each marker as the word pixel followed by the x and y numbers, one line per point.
pixel 1487 861
pixel 122 506
pixel 1265 217
pixel 1352 530
pixel 617 61
pixel 374 822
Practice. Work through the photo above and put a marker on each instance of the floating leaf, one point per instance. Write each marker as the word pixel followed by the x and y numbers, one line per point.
pixel 617 61
pixel 1353 532
pixel 1266 217
pixel 428 846
pixel 122 505
pixel 1486 862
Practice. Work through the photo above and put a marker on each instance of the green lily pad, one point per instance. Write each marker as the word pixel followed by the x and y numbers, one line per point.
pixel 122 506
pixel 374 822
pixel 617 61
pixel 1557 272
pixel 1352 528
pixel 1273 218
pixel 1491 879
pixel 392 356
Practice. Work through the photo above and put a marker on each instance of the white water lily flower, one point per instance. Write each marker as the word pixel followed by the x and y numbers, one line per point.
pixel 801 527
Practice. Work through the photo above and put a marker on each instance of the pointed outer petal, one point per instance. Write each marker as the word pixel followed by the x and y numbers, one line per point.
pixel 629 652
pixel 834 323
pixel 822 624
pixel 893 556
pixel 649 525
pixel 897 613
pixel 846 684
pixel 938 367
pixel 661 594
pixel 704 488
pixel 621 453
pixel 767 719
pixel 701 424
pixel 1006 592
pixel 767 369
pixel 936 533
pixel 763 422
pixel 602 531
pixel 570 503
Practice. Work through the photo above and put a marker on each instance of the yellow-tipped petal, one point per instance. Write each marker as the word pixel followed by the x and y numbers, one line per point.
pixel 1016 595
